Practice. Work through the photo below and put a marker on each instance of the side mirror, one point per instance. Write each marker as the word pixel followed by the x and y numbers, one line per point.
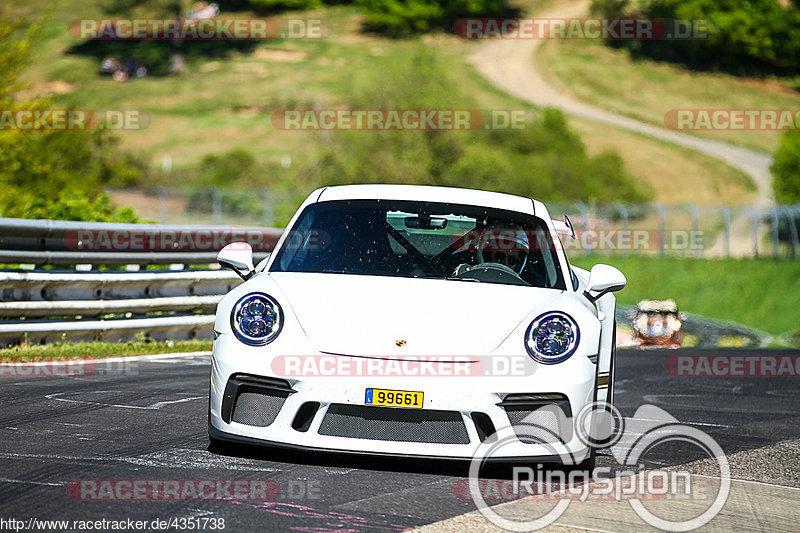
pixel 603 279
pixel 238 256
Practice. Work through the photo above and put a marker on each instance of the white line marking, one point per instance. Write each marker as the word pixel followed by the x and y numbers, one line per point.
pixel 749 481
pixel 682 422
pixel 153 357
pixel 6 480
pixel 153 406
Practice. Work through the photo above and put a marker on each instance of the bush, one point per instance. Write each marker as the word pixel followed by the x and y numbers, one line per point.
pixel 75 206
pixel 236 174
pixel 786 169
pixel 54 173
pixel 234 167
pixel 546 159
pixel 757 37
pixel 397 18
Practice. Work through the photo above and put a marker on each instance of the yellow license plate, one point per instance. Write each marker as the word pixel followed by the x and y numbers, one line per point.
pixel 393 398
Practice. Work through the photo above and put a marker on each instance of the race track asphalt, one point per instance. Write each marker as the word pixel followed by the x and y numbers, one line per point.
pixel 146 420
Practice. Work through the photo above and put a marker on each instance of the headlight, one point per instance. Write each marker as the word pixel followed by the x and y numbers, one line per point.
pixel 256 319
pixel 552 337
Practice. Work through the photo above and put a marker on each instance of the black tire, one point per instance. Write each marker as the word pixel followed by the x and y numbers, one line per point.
pixel 589 464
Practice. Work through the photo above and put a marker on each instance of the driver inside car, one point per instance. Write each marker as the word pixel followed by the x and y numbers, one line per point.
pixel 505 246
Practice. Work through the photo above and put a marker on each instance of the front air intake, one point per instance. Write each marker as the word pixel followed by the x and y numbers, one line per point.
pixel 539 418
pixel 394 424
pixel 254 400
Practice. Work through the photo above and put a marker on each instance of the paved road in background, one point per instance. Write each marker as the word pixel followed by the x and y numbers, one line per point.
pixel 147 420
pixel 510 65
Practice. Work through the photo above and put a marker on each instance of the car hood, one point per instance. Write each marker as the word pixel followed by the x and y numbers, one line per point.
pixel 373 315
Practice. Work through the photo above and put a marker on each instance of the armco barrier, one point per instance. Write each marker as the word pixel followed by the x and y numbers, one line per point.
pixel 40 306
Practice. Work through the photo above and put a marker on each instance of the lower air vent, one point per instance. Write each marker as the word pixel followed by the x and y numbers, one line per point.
pixel 258 409
pixel 539 418
pixel 394 424
pixel 254 400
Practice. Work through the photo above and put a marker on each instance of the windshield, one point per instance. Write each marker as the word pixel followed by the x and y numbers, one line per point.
pixel 421 240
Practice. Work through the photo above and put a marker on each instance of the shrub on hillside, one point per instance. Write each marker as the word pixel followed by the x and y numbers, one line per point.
pixel 397 18
pixel 546 159
pixel 53 173
pixel 757 37
pixel 786 169
pixel 70 205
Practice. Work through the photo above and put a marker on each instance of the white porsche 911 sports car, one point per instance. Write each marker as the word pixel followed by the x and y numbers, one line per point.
pixel 413 321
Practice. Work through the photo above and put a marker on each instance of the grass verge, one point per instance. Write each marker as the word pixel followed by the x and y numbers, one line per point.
pixel 758 293
pixel 95 350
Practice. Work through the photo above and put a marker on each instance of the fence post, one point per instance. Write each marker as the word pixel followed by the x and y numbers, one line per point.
pixel 623 216
pixel 584 209
pixel 792 230
pixel 662 226
pixel 726 224
pixel 695 225
pixel 266 197
pixel 776 243
pixel 754 217
pixel 163 196
pixel 216 205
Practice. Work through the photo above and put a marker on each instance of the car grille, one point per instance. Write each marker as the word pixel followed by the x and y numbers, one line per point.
pixel 531 427
pixel 257 409
pixel 539 418
pixel 394 424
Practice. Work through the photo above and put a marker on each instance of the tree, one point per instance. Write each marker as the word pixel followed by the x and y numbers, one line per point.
pixel 42 171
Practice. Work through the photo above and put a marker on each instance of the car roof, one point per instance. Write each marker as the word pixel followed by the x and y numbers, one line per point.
pixel 426 193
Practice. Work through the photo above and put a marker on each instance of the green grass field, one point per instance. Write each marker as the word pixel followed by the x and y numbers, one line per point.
pixel 647 90
pixel 63 351
pixel 759 293
pixel 222 103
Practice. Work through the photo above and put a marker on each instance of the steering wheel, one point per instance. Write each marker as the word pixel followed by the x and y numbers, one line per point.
pixel 497 272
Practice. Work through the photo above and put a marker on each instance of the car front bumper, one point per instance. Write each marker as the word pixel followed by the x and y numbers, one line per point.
pixel 328 413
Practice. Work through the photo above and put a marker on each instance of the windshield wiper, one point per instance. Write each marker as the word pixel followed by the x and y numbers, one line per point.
pixel 463 279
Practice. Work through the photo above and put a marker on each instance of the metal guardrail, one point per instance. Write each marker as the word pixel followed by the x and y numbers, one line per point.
pixel 41 306
pixel 59 242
